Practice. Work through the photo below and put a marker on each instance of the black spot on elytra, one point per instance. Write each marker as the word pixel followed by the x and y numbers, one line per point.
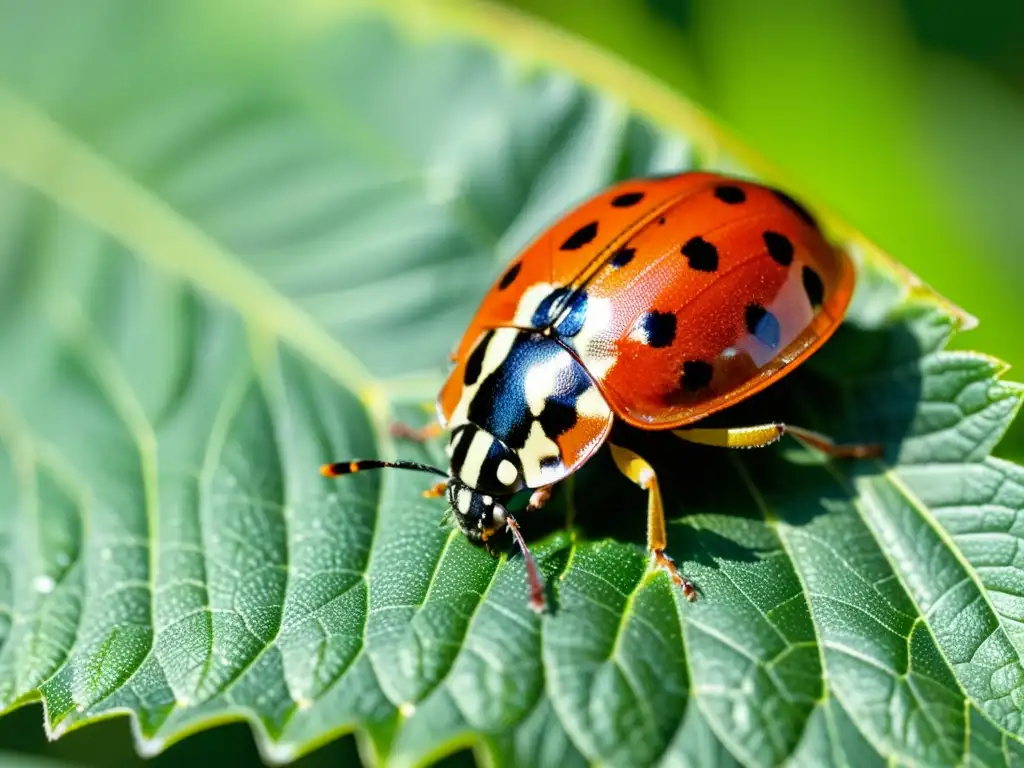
pixel 580 237
pixel 475 363
pixel 763 325
pixel 659 328
pixel 557 418
pixel 701 254
pixel 795 207
pixel 730 194
pixel 696 375
pixel 779 247
pixel 814 287
pixel 623 256
pixel 627 199
pixel 661 219
pixel 510 276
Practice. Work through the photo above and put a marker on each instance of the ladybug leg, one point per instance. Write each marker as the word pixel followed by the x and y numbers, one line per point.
pixel 418 435
pixel 766 434
pixel 641 473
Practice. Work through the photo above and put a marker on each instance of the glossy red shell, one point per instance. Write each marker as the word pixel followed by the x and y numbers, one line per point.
pixel 739 273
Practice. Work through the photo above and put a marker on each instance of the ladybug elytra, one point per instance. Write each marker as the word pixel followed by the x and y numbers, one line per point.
pixel 657 302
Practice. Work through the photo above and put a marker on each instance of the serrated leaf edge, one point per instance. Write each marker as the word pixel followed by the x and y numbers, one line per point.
pixel 102 194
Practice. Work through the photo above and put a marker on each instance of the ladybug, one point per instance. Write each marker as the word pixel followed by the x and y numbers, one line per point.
pixel 657 302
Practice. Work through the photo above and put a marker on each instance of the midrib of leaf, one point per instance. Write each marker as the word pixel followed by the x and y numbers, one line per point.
pixel 91 187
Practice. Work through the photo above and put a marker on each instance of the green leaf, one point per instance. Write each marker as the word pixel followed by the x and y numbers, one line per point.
pixel 236 241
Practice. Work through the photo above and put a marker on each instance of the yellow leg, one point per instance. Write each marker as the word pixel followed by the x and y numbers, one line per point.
pixel 641 473
pixel 766 434
pixel 418 435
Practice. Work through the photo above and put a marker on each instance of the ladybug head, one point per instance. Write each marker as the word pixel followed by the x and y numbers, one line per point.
pixel 484 472
pixel 478 508
pixel 479 515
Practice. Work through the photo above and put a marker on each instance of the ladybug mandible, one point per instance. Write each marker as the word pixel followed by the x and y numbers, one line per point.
pixel 656 302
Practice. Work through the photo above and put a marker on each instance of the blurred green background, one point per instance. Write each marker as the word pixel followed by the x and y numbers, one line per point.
pixel 906 117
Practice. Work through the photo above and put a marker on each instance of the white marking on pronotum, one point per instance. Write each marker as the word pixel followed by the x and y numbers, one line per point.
pixel 464 500
pixel 470 470
pixel 507 472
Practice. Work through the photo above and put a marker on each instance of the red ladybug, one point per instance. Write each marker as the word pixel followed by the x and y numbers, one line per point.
pixel 657 302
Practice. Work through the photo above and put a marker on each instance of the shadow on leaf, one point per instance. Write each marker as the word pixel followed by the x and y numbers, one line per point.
pixel 864 385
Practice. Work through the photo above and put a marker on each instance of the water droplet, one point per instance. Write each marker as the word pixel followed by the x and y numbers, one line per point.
pixel 151 747
pixel 281 753
pixel 43 584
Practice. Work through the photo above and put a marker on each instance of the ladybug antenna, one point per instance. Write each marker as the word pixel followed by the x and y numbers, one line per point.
pixel 532 574
pixel 339 468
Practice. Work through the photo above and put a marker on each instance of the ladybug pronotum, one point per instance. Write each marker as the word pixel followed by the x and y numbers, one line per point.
pixel 657 303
